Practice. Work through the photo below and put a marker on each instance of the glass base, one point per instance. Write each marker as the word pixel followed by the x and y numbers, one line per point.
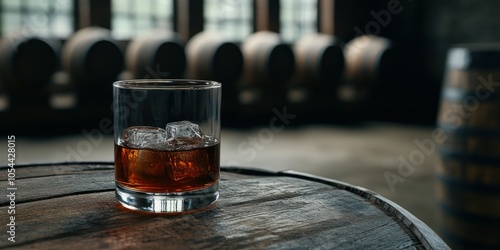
pixel 167 202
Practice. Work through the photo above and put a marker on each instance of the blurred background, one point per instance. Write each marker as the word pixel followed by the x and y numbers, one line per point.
pixel 348 90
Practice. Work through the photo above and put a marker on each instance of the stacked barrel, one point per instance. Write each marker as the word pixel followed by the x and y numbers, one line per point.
pixel 316 76
pixel 93 61
pixel 212 57
pixel 55 87
pixel 371 80
pixel 26 66
pixel 268 66
pixel 158 54
pixel 27 63
pixel 319 67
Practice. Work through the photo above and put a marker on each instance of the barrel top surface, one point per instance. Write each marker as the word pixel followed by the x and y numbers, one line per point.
pixel 73 205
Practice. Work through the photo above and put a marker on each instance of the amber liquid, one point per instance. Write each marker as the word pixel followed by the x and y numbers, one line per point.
pixel 148 170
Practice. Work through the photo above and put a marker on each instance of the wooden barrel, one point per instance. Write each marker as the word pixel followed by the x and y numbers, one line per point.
pixel 155 55
pixel 268 62
pixel 210 56
pixel 369 61
pixel 73 206
pixel 27 63
pixel 93 60
pixel 319 60
pixel 468 190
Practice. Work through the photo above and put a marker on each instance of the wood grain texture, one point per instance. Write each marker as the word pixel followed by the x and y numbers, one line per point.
pixel 73 206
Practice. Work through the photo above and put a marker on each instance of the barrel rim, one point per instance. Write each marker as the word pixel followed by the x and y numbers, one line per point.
pixel 167 84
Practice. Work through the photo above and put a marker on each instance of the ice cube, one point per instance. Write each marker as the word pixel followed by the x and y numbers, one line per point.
pixel 188 165
pixel 144 137
pixel 145 166
pixel 184 135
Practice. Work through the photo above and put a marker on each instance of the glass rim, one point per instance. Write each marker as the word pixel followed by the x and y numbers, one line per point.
pixel 166 84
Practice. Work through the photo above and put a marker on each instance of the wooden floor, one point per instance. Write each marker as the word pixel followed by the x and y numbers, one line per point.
pixel 367 156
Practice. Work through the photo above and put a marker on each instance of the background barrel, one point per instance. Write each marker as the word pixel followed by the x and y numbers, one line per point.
pixel 210 56
pixel 319 65
pixel 27 63
pixel 319 60
pixel 373 79
pixel 156 54
pixel 369 62
pixel 268 66
pixel 93 60
pixel 468 187
pixel 267 61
